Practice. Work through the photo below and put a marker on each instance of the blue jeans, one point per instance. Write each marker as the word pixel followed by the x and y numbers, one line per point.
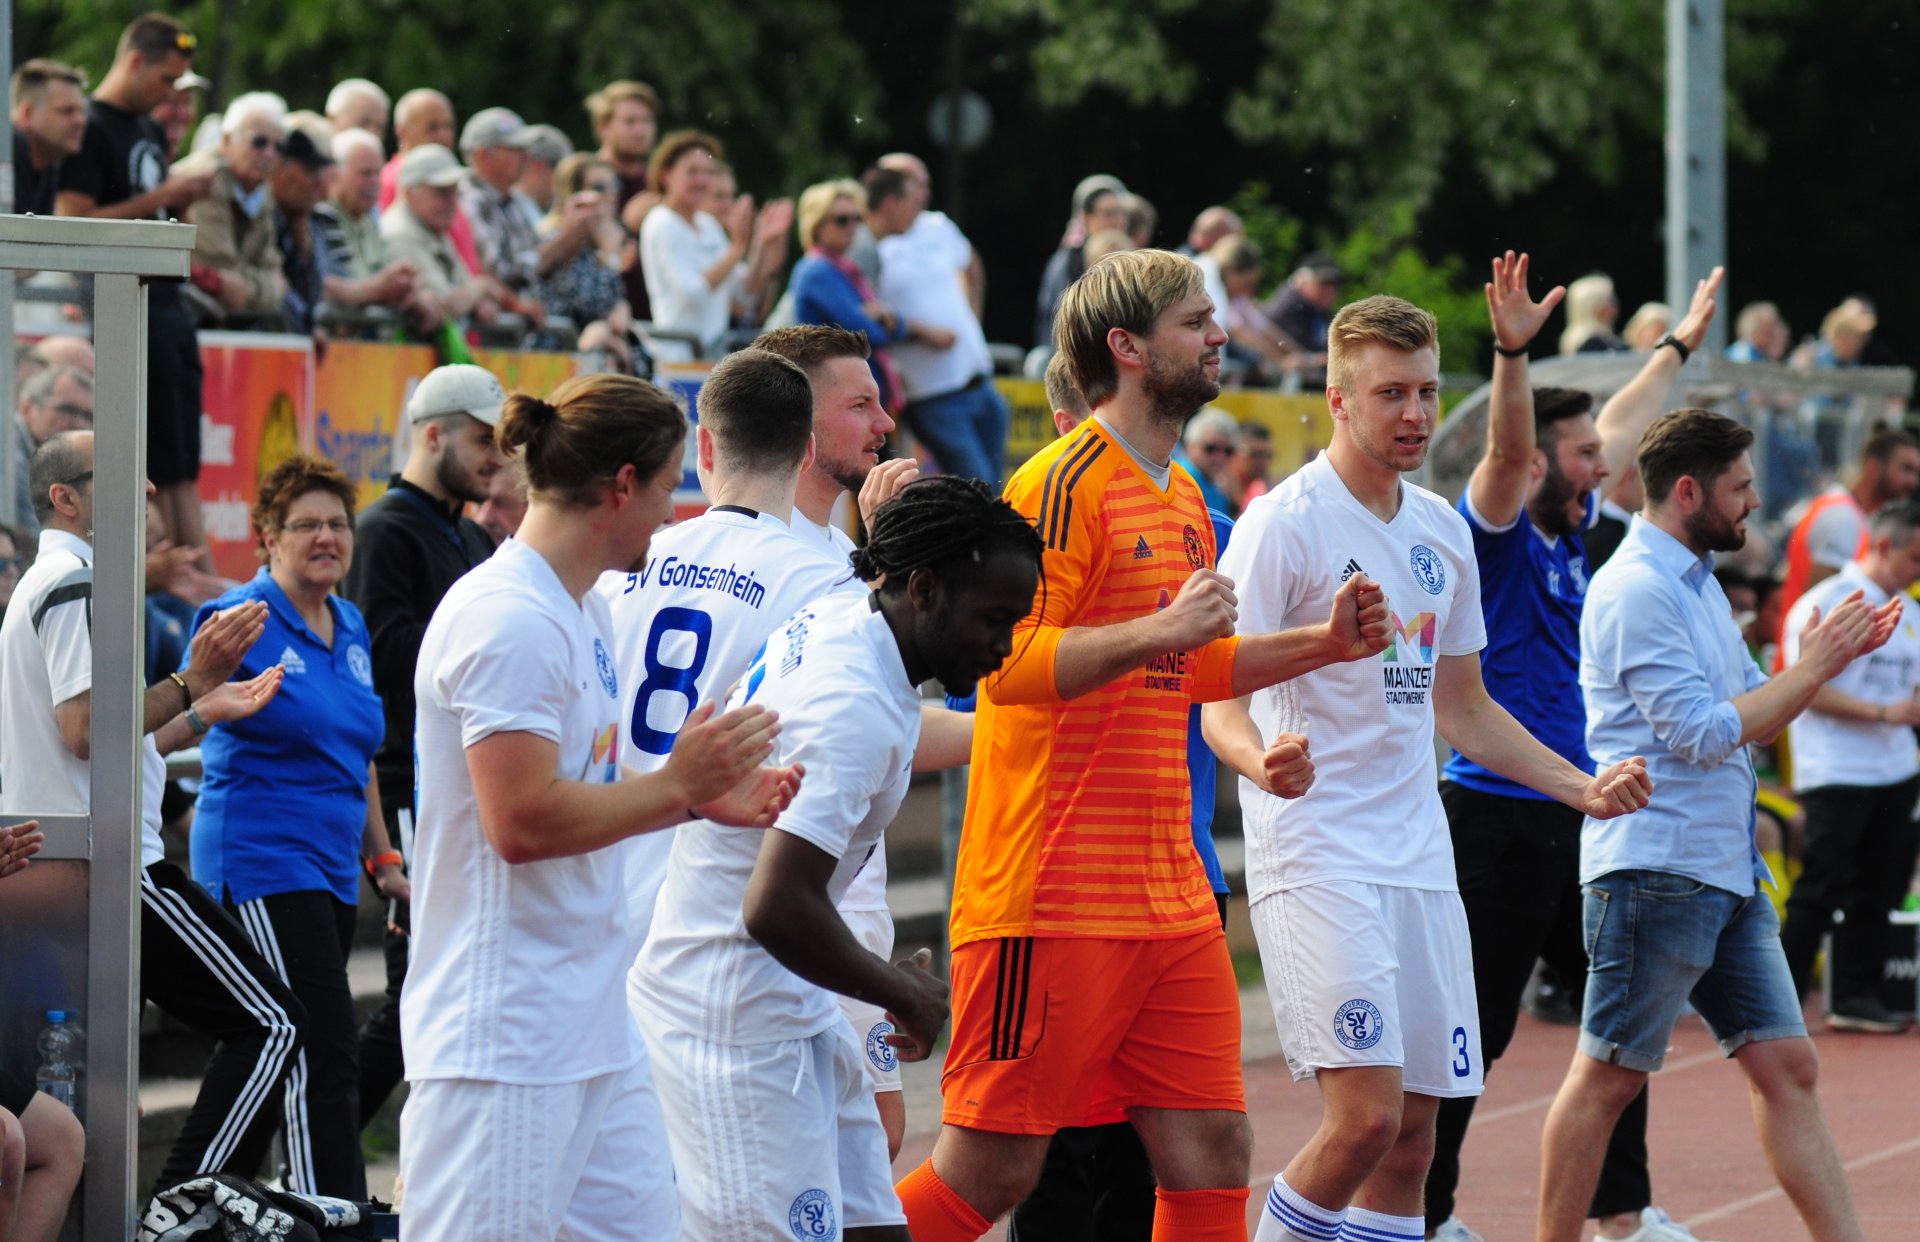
pixel 1655 940
pixel 966 429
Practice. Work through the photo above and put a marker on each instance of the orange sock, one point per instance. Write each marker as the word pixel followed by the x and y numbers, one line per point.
pixel 1198 1215
pixel 936 1214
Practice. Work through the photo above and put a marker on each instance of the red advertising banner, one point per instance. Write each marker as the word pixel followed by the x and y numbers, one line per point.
pixel 258 411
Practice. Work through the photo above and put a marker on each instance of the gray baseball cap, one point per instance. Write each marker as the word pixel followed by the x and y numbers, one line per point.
pixel 429 164
pixel 495 127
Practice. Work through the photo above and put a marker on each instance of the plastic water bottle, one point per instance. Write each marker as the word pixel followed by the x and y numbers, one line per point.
pixel 59 1059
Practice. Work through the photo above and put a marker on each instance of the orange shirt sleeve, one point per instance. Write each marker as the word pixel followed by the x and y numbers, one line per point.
pixel 1068 567
pixel 1213 669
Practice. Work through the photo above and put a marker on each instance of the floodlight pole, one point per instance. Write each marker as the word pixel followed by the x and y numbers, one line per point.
pixel 1696 154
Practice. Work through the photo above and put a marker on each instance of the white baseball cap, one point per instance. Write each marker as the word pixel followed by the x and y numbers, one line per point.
pixel 460 388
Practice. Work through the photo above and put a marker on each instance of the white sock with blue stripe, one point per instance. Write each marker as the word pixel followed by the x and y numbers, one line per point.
pixel 1289 1217
pixel 1364 1226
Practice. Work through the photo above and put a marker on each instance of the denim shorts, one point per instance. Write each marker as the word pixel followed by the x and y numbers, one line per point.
pixel 1656 940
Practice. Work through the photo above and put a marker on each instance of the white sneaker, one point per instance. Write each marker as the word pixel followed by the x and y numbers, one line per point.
pixel 1657 1226
pixel 1453 1229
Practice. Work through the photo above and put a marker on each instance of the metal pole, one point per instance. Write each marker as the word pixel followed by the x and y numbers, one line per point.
pixel 119 641
pixel 9 486
pixel 1696 154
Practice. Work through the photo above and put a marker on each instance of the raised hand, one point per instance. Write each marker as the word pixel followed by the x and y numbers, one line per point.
pixel 1516 317
pixel 1286 769
pixel 917 1024
pixel 1620 790
pixel 219 645
pixel 884 482
pixel 1359 620
pixel 1692 329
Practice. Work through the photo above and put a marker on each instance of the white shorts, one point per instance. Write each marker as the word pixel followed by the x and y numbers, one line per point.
pixel 779 1140
pixel 497 1162
pixel 1370 974
pixel 874 930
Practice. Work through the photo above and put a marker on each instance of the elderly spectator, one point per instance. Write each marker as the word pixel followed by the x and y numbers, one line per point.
pixel 1592 310
pixel 920 185
pixel 1252 464
pixel 416 228
pixel 1844 334
pixel 195 962
pixel 356 103
pixel 1763 335
pixel 1099 208
pixel 495 144
pixel 176 113
pixel 1303 308
pixel 1143 220
pixel 1252 339
pixel 626 121
pixel 587 287
pixel 501 513
pixel 698 269
pixel 359 272
pixel 289 804
pixel 546 147
pixel 1648 325
pixel 1206 449
pixel 424 117
pixel 236 252
pixel 54 400
pixel 1209 227
pixel 951 404
pixel 828 288
pixel 297 186
pixel 49 123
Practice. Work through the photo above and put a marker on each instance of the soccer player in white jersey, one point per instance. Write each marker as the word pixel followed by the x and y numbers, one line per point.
pixel 773 1126
pixel 688 623
pixel 1354 903
pixel 527 1080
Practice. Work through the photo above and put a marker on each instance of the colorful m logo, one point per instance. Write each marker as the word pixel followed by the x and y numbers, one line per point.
pixel 1411 640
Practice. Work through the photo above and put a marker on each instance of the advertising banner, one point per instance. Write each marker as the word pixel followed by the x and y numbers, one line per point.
pixel 257 411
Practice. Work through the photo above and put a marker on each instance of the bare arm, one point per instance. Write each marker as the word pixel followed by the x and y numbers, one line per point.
pixel 1628 414
pixel 1282 768
pixel 1499 485
pixel 1355 630
pixel 1483 731
pixel 946 739
pixel 1827 646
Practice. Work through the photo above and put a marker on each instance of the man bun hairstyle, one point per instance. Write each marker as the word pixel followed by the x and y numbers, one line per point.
pixel 1128 290
pixel 1689 442
pixel 758 406
pixel 938 523
pixel 574 442
pixel 1379 320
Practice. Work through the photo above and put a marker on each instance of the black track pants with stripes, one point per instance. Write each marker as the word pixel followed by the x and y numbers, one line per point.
pixel 198 966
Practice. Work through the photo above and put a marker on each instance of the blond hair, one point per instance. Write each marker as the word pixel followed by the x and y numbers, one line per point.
pixel 1586 298
pixel 816 202
pixel 1129 290
pixel 1061 394
pixel 601 103
pixel 1381 319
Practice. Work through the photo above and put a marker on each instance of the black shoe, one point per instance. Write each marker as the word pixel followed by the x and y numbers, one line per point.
pixel 1549 1002
pixel 1866 1014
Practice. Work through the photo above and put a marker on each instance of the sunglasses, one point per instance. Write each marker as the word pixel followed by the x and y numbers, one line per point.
pixel 845 219
pixel 260 142
pixel 601 187
pixel 1222 449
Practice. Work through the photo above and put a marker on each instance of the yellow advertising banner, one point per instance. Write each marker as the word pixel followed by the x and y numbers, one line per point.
pixel 1299 422
pixel 359 391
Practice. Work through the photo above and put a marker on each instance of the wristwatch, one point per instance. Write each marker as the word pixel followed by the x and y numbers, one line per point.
pixel 1679 347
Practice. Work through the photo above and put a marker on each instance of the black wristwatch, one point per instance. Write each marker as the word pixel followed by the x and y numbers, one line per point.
pixel 1679 347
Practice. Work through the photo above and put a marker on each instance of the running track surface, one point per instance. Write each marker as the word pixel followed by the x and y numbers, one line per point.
pixel 1708 1169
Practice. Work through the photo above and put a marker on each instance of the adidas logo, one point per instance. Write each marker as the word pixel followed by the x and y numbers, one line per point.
pixel 1353 567
pixel 1141 552
pixel 291 660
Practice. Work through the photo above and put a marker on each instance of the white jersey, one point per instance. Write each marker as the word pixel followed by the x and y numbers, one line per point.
pixel 869 889
pixel 685 628
pixel 1373 813
pixel 516 973
pixel 1828 750
pixel 848 712
pixel 46 658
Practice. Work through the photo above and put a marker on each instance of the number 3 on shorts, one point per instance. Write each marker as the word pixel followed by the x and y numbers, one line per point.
pixel 670 678
pixel 1462 1063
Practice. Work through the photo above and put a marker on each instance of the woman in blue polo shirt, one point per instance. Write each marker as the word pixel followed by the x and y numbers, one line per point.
pixel 288 805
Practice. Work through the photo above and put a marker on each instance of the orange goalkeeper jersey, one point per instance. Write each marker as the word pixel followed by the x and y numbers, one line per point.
pixel 1079 818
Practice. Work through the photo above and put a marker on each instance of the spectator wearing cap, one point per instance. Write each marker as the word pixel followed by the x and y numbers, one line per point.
pixel 289 806
pixel 412 544
pixel 546 147
pixel 49 123
pixel 175 114
pixel 236 251
pixel 1303 309
pixel 297 186
pixel 511 250
pixel 356 103
pixel 1099 204
pixel 359 272
pixel 626 123
pixel 424 117
pixel 416 228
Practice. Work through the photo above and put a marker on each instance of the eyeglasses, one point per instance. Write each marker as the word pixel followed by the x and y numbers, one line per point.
pixel 1225 450
pixel 67 409
pixel 845 219
pixel 308 527
pixel 260 142
pixel 601 187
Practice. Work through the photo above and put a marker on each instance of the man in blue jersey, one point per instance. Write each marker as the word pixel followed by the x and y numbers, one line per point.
pixel 1529 502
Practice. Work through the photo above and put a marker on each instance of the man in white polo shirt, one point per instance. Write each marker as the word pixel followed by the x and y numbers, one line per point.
pixel 1856 769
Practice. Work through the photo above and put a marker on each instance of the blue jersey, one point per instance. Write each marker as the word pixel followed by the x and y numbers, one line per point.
pixel 284 801
pixel 1532 589
pixel 1202 767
